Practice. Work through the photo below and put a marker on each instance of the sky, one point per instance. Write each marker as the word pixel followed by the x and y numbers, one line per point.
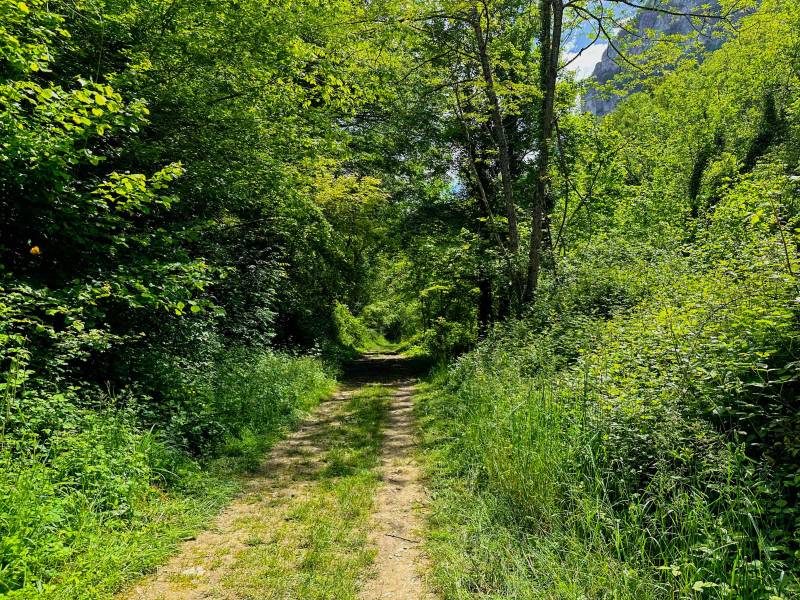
pixel 585 63
pixel 578 37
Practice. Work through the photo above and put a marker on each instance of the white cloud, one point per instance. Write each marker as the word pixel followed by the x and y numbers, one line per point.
pixel 585 63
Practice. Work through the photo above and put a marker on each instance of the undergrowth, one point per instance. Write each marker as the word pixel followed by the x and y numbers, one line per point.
pixel 97 496
pixel 645 451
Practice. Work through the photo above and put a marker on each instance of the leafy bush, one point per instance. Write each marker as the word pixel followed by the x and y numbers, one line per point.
pixel 391 317
pixel 445 339
pixel 351 332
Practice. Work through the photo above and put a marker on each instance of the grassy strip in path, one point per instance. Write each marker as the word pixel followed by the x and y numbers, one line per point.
pixel 313 545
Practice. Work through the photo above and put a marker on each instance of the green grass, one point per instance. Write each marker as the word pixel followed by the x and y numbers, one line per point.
pixel 106 501
pixel 106 556
pixel 313 544
pixel 523 508
pixel 480 546
pixel 77 550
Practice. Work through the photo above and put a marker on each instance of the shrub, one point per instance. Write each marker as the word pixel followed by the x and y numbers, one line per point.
pixel 350 330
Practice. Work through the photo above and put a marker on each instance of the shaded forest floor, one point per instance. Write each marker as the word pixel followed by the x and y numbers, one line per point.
pixel 333 512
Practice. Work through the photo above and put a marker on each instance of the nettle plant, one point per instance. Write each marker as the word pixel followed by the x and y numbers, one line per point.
pixel 62 203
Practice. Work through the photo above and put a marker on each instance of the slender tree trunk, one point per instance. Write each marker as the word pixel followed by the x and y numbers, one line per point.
pixel 552 16
pixel 485 303
pixel 484 191
pixel 481 190
pixel 500 134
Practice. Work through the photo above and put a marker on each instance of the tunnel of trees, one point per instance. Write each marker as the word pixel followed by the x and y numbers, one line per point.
pixel 207 207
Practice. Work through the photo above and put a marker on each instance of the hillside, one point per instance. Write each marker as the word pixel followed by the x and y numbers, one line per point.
pixel 638 33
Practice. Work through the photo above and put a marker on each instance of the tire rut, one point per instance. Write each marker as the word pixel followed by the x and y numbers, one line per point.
pixel 205 566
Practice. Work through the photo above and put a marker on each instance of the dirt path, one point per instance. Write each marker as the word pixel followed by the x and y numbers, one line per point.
pixel 333 513
pixel 397 520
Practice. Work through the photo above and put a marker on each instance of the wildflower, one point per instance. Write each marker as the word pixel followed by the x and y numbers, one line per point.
pixel 36 251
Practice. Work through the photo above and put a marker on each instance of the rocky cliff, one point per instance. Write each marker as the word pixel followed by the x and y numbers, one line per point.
pixel 641 31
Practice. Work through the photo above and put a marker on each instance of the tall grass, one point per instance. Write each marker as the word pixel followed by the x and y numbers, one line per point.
pixel 499 452
pixel 546 489
pixel 106 496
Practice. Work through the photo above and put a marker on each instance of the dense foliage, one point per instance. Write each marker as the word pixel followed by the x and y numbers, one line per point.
pixel 636 433
pixel 175 195
pixel 203 203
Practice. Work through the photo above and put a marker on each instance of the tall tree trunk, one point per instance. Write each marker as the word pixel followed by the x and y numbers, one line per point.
pixel 500 134
pixel 552 16
pixel 485 303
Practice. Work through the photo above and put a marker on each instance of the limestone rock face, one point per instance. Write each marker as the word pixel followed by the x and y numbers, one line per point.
pixel 646 24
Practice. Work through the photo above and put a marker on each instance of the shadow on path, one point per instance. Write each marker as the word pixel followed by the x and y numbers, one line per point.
pixel 383 368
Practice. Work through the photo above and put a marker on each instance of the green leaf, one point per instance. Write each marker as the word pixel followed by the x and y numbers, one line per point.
pixel 699 586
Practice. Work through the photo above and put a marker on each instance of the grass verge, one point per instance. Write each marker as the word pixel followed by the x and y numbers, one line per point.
pixel 480 547
pixel 105 501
